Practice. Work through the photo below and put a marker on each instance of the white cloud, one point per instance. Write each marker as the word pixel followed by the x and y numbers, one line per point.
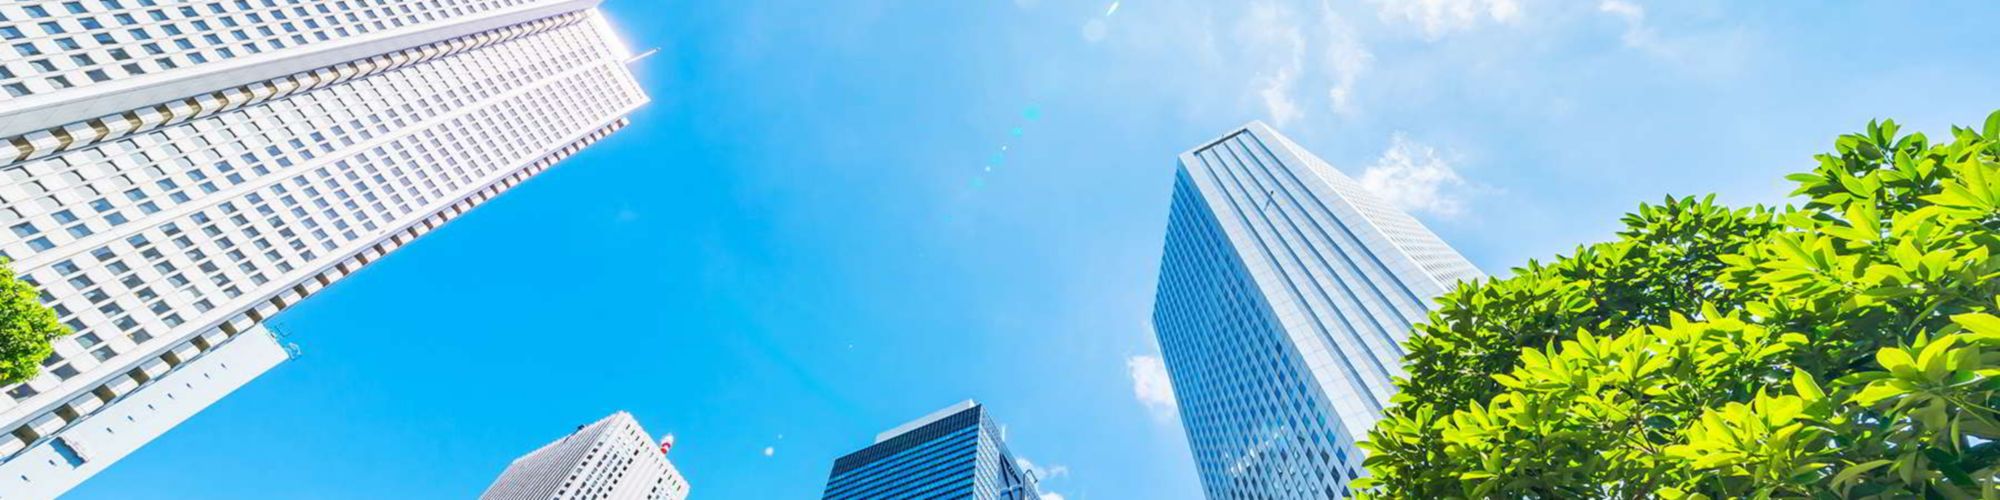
pixel 1276 91
pixel 1623 9
pixel 1717 53
pixel 1150 384
pixel 1095 30
pixel 1437 18
pixel 1042 472
pixel 1271 32
pixel 1414 177
pixel 1286 62
pixel 1045 475
pixel 1345 59
pixel 1637 34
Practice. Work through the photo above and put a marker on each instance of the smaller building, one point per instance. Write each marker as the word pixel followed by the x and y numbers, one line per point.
pixel 612 458
pixel 954 453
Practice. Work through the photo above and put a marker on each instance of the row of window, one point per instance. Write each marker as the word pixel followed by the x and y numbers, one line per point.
pixel 188 162
pixel 948 457
pixel 292 213
pixel 64 44
pixel 71 413
pixel 620 462
pixel 1340 266
pixel 1255 424
pixel 260 136
pixel 270 228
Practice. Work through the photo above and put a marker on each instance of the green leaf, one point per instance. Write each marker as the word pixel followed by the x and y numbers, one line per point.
pixel 27 328
pixel 1933 359
pixel 1860 187
pixel 1865 219
pixel 1658 360
pixel 1948 464
pixel 1859 379
pixel 1896 360
pixel 1984 324
pixel 1875 393
pixel 1855 471
pixel 1993 126
pixel 1808 389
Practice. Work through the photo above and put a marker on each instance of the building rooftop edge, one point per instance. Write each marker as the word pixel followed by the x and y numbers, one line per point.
pixel 925 420
pixel 1249 127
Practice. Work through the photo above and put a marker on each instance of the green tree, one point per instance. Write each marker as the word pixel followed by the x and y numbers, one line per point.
pixel 26 328
pixel 1847 347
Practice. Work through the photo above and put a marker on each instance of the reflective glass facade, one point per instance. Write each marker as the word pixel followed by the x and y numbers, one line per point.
pixel 952 454
pixel 1285 292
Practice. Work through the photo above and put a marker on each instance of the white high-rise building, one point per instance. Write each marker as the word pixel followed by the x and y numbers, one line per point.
pixel 612 459
pixel 175 172
pixel 1286 290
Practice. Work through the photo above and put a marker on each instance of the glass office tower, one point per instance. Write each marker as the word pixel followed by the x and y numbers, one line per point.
pixel 954 453
pixel 1285 292
pixel 175 172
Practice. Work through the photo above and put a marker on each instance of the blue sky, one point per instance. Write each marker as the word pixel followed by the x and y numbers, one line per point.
pixel 799 243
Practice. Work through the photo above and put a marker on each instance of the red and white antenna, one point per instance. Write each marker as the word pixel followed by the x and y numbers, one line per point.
pixel 666 443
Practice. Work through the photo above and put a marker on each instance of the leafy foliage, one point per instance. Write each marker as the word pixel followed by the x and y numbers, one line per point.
pixel 1844 348
pixel 26 328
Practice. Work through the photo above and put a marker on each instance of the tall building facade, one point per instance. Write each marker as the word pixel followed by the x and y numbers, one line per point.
pixel 953 453
pixel 1285 292
pixel 175 172
pixel 611 459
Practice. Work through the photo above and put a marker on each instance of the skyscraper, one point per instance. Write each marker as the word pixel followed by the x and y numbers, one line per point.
pixel 1285 292
pixel 611 459
pixel 953 453
pixel 175 172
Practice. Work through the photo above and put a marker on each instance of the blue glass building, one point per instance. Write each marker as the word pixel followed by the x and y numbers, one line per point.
pixel 1285 292
pixel 954 453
